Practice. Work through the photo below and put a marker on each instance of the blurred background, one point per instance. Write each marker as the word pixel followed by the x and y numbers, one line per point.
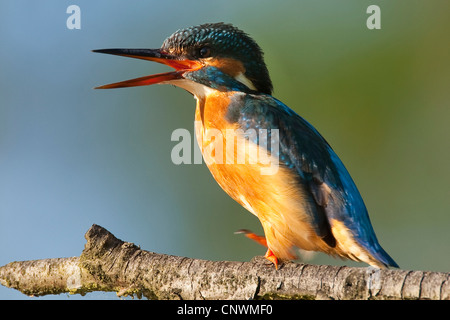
pixel 71 156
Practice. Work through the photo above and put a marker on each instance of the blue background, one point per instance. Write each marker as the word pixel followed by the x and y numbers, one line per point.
pixel 71 156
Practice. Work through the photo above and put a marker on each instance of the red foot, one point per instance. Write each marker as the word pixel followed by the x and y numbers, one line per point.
pixel 271 257
pixel 262 241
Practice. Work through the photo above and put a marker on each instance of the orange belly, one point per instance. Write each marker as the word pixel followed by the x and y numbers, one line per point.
pixel 275 198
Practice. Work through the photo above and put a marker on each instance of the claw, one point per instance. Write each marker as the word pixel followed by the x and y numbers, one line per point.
pixel 262 241
pixel 272 258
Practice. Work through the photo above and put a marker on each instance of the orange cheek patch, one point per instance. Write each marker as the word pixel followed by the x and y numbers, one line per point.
pixel 229 66
pixel 233 68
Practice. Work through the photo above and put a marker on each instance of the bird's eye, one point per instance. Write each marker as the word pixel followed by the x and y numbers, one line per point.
pixel 204 52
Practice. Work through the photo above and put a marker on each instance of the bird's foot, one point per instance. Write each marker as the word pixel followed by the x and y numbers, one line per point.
pixel 262 241
pixel 259 239
pixel 272 258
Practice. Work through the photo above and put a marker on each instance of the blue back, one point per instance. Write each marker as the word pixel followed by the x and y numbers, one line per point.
pixel 304 151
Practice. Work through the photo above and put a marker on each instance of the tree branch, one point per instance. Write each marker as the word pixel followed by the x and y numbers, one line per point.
pixel 109 264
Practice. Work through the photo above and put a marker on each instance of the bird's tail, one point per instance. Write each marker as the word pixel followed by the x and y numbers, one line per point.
pixel 383 257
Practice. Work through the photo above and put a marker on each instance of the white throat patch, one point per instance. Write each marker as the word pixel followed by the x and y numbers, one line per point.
pixel 201 91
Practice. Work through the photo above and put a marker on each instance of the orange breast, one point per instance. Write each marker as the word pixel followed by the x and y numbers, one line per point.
pixel 274 198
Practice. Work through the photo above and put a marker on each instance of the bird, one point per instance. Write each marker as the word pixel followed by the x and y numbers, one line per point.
pixel 306 201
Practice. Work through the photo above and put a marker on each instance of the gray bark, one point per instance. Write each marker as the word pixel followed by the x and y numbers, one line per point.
pixel 109 264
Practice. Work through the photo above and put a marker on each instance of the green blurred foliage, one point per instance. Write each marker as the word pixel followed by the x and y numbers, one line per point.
pixel 71 156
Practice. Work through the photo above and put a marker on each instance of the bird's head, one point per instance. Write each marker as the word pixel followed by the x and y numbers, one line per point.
pixel 217 56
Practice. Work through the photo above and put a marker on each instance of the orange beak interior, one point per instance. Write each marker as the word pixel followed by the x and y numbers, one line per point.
pixel 180 65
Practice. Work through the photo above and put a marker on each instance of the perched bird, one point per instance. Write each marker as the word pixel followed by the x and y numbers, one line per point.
pixel 308 200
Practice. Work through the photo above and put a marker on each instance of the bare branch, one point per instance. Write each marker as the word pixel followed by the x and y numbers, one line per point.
pixel 109 264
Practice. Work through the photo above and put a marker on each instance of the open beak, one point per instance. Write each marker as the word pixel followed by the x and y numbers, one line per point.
pixel 180 65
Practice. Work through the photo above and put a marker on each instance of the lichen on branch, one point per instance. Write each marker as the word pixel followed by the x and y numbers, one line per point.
pixel 110 264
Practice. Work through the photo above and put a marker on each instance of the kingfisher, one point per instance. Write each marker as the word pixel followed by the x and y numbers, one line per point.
pixel 308 200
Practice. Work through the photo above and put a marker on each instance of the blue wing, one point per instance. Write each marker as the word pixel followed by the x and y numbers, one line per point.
pixel 319 170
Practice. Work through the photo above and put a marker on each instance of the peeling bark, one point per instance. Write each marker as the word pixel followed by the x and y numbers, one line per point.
pixel 109 264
